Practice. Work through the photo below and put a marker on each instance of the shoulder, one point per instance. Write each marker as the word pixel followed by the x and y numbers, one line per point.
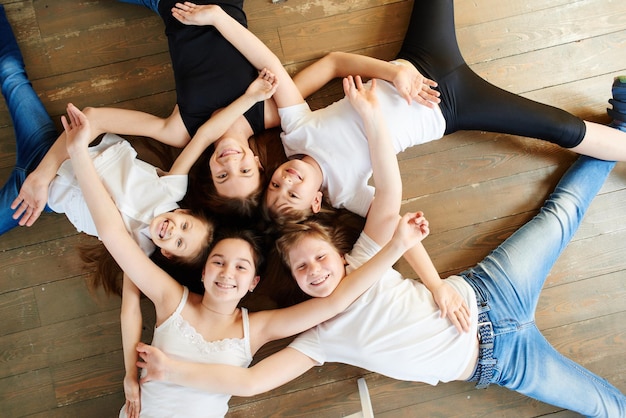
pixel 364 249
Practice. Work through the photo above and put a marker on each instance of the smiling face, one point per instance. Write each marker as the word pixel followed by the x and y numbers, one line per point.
pixel 316 266
pixel 235 169
pixel 230 270
pixel 295 185
pixel 179 233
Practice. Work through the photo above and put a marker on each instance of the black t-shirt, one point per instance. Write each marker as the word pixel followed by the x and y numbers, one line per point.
pixel 209 72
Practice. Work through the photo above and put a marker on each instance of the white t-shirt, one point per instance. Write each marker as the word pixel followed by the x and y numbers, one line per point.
pixel 394 329
pixel 136 188
pixel 335 137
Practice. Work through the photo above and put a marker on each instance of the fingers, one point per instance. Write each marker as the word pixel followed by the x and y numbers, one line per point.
pixel 66 124
pixel 460 318
pixel 26 213
pixel 132 409
pixel 422 92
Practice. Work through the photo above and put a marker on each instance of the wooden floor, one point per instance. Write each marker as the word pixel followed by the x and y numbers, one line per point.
pixel 60 347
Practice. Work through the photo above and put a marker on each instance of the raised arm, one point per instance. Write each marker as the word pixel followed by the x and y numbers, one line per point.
pixel 408 81
pixel 164 291
pixel 382 216
pixel 245 41
pixel 262 88
pixel 385 207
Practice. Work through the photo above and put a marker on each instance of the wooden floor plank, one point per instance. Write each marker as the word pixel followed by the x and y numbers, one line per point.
pixel 60 348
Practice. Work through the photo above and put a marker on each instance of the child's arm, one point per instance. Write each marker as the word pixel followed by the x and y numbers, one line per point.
pixel 170 130
pixel 246 42
pixel 270 373
pixel 262 88
pixel 164 291
pixel 382 216
pixel 387 201
pixel 33 195
pixel 287 364
pixel 450 302
pixel 408 81
pixel 130 320
pixel 279 323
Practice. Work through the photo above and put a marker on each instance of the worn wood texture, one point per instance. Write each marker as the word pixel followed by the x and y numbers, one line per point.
pixel 60 347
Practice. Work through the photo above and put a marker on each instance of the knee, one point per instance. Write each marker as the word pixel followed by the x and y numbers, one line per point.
pixel 12 73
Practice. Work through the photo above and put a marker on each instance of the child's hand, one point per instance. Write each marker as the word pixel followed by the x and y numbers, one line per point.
pixel 414 86
pixel 363 100
pixel 133 397
pixel 452 305
pixel 263 87
pixel 412 228
pixel 154 361
pixel 31 200
pixel 189 13
pixel 77 129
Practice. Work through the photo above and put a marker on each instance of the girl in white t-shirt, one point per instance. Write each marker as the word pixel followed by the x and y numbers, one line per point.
pixel 229 273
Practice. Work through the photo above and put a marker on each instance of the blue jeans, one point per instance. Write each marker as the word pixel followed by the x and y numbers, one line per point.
pixel 34 130
pixel 510 279
pixel 150 4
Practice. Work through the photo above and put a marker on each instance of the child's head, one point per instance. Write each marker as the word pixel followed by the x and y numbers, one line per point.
pixel 227 184
pixel 234 260
pixel 293 192
pixel 235 169
pixel 182 235
pixel 309 251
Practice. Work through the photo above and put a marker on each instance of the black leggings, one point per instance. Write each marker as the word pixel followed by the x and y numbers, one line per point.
pixel 468 102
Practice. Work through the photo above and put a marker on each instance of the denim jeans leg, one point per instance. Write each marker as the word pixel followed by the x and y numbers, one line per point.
pixel 521 264
pixel 511 278
pixel 536 369
pixel 34 130
pixel 150 4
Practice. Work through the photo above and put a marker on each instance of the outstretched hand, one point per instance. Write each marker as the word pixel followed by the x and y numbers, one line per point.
pixel 153 361
pixel 133 396
pixel 414 86
pixel 264 86
pixel 363 100
pixel 189 13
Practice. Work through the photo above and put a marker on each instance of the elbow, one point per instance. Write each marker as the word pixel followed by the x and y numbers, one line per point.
pixel 253 384
pixel 248 390
pixel 92 114
pixel 332 60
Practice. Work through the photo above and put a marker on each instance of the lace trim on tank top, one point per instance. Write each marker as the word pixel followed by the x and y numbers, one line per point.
pixel 207 347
